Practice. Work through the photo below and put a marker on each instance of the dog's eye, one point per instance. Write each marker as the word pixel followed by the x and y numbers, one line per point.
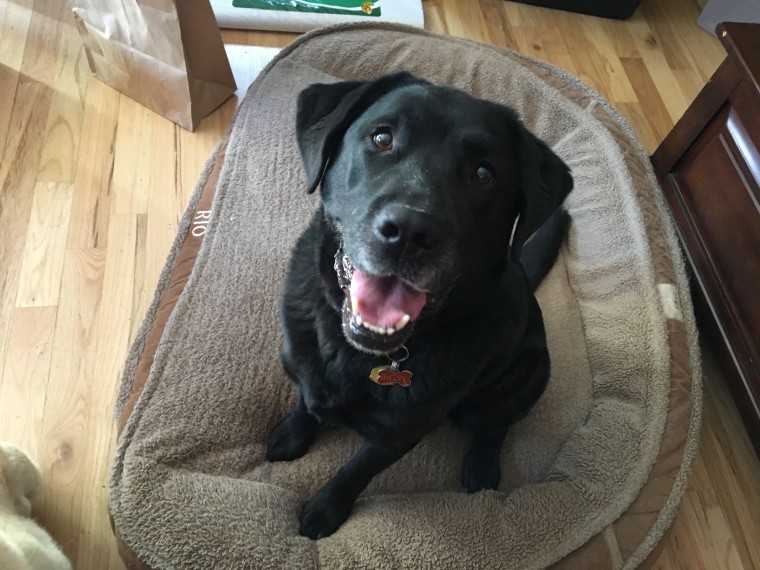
pixel 483 174
pixel 383 139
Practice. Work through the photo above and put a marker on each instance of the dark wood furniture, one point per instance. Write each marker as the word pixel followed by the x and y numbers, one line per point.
pixel 709 168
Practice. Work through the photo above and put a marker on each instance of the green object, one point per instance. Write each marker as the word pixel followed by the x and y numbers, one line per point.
pixel 346 7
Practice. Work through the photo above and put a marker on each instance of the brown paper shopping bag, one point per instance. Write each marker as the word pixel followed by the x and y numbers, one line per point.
pixel 166 54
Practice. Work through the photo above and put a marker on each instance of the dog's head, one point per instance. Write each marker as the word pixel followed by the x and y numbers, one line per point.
pixel 423 183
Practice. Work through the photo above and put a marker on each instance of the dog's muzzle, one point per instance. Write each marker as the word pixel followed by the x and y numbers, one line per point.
pixel 379 311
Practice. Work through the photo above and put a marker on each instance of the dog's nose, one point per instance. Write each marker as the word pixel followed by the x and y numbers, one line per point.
pixel 408 231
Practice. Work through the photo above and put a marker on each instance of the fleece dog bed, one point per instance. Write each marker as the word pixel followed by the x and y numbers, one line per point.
pixel 590 479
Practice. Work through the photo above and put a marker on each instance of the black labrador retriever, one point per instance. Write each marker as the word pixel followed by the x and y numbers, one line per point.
pixel 409 296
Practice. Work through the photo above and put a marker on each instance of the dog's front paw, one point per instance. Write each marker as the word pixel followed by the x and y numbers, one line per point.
pixel 291 438
pixel 323 515
pixel 481 469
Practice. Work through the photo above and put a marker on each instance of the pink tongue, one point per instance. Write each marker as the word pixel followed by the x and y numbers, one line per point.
pixel 383 301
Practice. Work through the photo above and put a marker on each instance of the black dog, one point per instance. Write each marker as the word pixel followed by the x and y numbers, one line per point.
pixel 408 264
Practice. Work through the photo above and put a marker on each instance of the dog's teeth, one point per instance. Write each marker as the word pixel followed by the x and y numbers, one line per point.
pixel 374 328
pixel 402 322
pixel 355 307
pixel 379 329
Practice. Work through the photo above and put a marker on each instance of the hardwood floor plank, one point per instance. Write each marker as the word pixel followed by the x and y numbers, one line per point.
pixel 690 81
pixel 101 370
pixel 79 303
pixel 522 15
pixel 734 469
pixel 637 116
pixel 648 96
pixel 541 42
pixel 133 147
pixel 602 39
pixel 15 18
pixel 8 84
pixel 497 23
pixel 91 204
pixel 462 21
pixel 592 66
pixel 434 16
pixel 14 21
pixel 656 63
pixel 709 530
pixel 264 39
pixel 23 143
pixel 78 389
pixel 663 28
pixel 619 34
pixel 42 265
pixel 25 377
pixel 62 133
pixel 17 179
pixel 141 294
pixel 695 49
pixel 161 227
pixel 41 44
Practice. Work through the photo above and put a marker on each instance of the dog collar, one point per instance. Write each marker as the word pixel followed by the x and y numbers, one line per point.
pixel 389 374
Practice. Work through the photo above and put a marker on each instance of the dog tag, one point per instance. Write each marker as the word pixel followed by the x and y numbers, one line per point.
pixel 389 375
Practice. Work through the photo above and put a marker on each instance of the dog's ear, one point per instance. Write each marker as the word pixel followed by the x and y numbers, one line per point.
pixel 545 183
pixel 326 110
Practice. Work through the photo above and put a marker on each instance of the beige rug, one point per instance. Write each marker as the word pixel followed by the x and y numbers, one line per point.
pixel 591 478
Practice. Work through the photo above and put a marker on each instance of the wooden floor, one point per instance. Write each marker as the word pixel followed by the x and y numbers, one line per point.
pixel 92 187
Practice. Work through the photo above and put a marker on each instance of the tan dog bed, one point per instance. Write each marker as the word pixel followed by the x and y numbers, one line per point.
pixel 590 479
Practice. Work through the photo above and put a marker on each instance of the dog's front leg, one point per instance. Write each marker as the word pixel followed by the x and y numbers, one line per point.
pixel 490 413
pixel 291 438
pixel 332 504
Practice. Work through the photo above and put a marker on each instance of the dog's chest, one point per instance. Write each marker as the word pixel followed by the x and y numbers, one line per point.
pixel 345 390
pixel 346 394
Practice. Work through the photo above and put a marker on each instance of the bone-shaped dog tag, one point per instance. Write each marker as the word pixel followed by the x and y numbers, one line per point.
pixel 389 375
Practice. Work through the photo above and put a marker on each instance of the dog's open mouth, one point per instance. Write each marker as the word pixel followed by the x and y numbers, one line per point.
pixel 379 311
